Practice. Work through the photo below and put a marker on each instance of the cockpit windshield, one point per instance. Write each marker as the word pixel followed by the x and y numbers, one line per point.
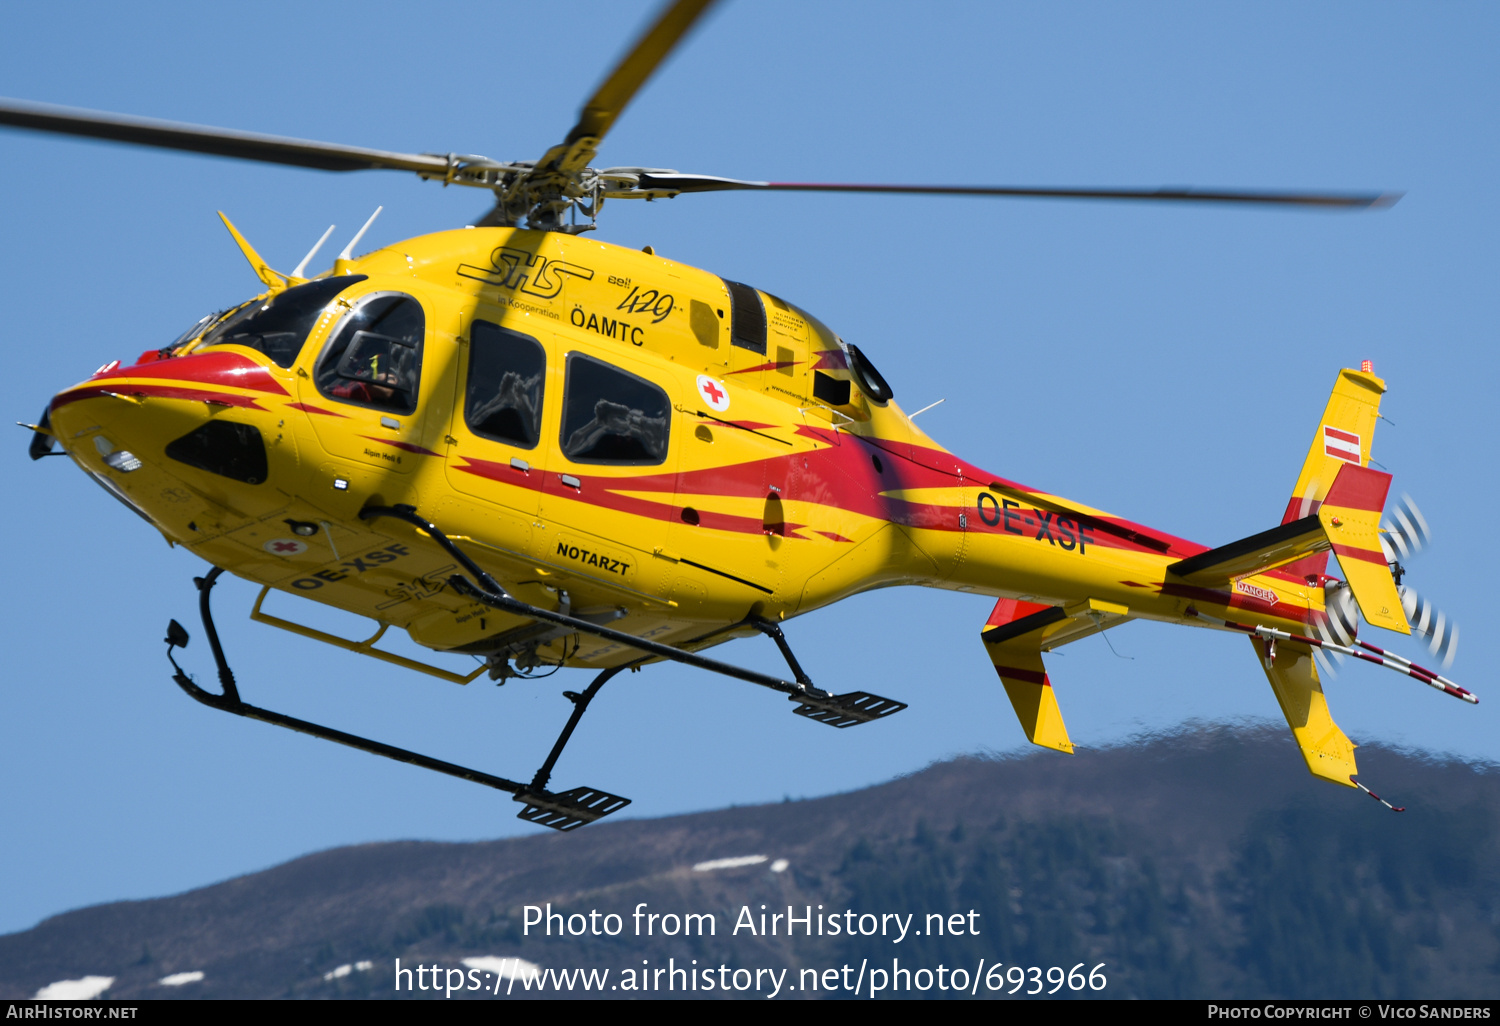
pixel 279 326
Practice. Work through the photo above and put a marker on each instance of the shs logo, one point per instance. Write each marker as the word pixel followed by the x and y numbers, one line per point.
pixel 530 273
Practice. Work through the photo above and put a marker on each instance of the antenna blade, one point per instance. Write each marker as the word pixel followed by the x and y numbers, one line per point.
pixel 218 142
pixel 1355 201
pixel 348 253
pixel 297 271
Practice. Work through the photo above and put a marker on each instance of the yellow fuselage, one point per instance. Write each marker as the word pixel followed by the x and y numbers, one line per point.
pixel 780 501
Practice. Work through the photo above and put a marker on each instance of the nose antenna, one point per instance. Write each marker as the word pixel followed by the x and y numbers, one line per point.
pixel 348 253
pixel 297 271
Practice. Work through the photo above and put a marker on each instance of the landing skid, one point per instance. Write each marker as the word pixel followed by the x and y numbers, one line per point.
pixel 566 810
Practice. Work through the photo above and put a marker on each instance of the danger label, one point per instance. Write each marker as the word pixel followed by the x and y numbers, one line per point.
pixel 1266 595
pixel 1341 444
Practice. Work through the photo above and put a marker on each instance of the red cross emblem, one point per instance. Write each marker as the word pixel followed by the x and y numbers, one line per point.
pixel 713 393
pixel 285 547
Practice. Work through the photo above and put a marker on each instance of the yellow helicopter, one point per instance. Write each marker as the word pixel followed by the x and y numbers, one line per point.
pixel 513 441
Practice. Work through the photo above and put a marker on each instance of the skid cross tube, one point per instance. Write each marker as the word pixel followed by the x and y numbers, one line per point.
pixel 773 631
pixel 205 585
pixel 230 702
pixel 329 734
pixel 566 811
pixel 491 594
pixel 580 704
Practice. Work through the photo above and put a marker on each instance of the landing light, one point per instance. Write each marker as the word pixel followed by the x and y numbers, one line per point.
pixel 124 461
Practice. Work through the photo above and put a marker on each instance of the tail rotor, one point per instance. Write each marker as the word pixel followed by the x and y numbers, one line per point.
pixel 1405 533
pixel 1339 626
pixel 1425 619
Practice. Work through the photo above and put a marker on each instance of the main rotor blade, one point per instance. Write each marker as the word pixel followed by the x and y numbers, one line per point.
pixel 616 91
pixel 219 142
pixel 575 152
pixel 709 183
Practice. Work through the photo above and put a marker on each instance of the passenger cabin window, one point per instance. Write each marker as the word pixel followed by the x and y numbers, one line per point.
pixel 503 398
pixel 612 416
pixel 747 322
pixel 375 356
pixel 279 326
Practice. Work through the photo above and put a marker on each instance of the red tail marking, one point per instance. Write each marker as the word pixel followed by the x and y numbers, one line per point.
pixel 1359 488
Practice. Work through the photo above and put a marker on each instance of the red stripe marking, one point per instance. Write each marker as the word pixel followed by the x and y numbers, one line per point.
pixel 310 408
pixel 1359 487
pixel 156 391
pixel 831 359
pixel 1364 555
pixel 1287 610
pixel 773 365
pixel 1345 436
pixel 1025 676
pixel 1009 610
pixel 209 368
pixel 404 446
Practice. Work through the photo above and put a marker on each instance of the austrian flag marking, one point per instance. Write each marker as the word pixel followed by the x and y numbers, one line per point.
pixel 1341 445
pixel 714 393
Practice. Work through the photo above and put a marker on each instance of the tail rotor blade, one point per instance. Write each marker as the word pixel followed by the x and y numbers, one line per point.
pixel 1341 623
pixel 1406 530
pixel 1430 622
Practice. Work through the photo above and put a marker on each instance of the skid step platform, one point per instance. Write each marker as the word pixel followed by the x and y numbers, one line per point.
pixel 846 710
pixel 569 810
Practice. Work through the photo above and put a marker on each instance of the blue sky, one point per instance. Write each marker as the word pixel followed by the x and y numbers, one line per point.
pixel 1165 364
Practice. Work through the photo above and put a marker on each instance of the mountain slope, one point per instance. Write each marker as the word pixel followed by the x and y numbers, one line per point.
pixel 1204 863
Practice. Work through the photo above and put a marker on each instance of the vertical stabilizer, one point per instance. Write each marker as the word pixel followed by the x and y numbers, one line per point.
pixel 1343 438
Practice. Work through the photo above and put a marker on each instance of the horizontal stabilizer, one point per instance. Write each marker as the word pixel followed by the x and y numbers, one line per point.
pixel 1347 521
pixel 1254 555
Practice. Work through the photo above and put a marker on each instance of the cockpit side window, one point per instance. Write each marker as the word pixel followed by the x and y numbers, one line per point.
pixel 612 416
pixel 503 397
pixel 375 355
pixel 279 326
